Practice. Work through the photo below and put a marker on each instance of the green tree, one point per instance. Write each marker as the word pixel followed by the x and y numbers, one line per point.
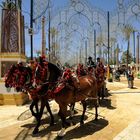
pixel 54 33
pixel 112 49
pixel 38 52
pixel 125 56
pixel 100 41
pixel 127 30
pixel 116 55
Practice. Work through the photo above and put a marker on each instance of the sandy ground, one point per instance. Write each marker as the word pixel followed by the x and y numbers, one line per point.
pixel 117 111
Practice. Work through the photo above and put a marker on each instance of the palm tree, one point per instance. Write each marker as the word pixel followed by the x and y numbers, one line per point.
pixel 116 57
pixel 112 41
pixel 53 33
pixel 38 52
pixel 100 41
pixel 105 53
pixel 127 30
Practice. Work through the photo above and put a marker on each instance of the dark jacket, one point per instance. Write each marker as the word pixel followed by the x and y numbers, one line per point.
pixel 90 63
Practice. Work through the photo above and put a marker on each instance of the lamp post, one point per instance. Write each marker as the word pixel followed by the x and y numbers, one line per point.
pixel 95 45
pixel 85 52
pixel 106 52
pixel 43 51
pixel 134 45
pixel 117 55
pixel 49 31
pixel 137 58
pixel 108 68
pixel 31 27
pixel 108 34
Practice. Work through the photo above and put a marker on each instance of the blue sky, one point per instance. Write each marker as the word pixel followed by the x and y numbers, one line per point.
pixel 102 4
pixel 106 5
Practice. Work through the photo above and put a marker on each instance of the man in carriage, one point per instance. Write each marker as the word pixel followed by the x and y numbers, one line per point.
pixel 90 62
pixel 91 66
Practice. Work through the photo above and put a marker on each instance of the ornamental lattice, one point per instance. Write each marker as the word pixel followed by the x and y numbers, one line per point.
pixel 10 36
pixel 9 31
pixel 39 8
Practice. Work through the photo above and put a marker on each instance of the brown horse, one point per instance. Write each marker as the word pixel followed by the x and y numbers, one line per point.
pixel 99 78
pixel 71 94
pixel 88 89
pixel 68 95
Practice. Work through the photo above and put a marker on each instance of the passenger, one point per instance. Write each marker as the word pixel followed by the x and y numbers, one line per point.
pixel 90 62
pixel 130 77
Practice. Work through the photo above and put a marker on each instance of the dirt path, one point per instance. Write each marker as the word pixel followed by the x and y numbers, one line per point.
pixel 116 112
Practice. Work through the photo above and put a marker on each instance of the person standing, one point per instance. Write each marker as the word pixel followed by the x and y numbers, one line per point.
pixel 130 77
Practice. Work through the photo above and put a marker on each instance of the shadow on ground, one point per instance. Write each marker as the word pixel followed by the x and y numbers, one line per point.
pixel 88 128
pixel 107 102
pixel 44 130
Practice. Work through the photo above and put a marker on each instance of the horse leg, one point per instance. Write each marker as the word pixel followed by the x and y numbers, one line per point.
pixel 84 110
pixel 96 112
pixel 62 109
pixel 50 112
pixel 72 113
pixel 99 95
pixel 36 107
pixel 39 116
pixel 31 107
pixel 62 114
pixel 103 92
pixel 34 103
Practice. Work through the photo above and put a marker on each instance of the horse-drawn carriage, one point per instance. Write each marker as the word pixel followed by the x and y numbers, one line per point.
pixel 45 81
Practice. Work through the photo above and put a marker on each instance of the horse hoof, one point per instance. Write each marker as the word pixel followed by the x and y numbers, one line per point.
pixel 34 114
pixel 35 131
pixel 73 123
pixel 59 137
pixel 81 123
pixel 68 124
pixel 52 124
pixel 61 133
pixel 96 119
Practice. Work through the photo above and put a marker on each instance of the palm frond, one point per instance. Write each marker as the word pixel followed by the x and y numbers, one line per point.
pixel 127 30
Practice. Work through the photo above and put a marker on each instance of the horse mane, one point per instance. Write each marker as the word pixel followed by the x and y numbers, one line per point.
pixel 10 71
pixel 29 70
pixel 25 68
pixel 55 72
